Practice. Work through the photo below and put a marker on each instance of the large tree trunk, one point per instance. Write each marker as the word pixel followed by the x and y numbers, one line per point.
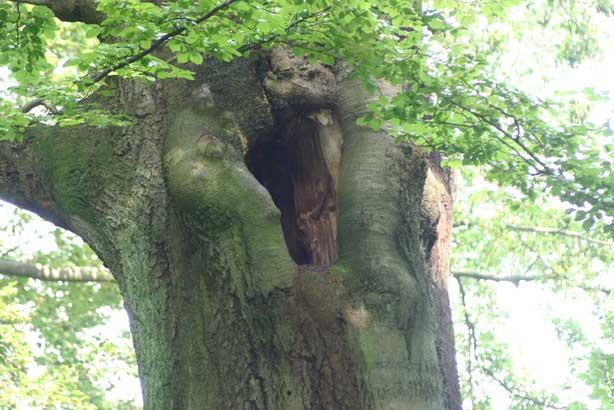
pixel 271 253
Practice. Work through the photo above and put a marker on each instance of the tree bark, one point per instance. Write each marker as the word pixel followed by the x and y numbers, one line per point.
pixel 271 253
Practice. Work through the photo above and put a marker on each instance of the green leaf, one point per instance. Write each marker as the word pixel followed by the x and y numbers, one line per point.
pixel 195 58
pixel 183 58
pixel 93 32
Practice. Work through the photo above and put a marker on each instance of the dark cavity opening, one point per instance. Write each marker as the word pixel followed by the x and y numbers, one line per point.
pixel 293 169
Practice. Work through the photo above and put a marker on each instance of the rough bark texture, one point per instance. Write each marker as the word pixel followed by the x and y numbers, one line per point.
pixel 271 253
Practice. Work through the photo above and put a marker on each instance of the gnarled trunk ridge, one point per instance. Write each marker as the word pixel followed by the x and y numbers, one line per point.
pixel 272 254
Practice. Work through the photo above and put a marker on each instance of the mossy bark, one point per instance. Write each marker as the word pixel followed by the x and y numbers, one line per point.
pixel 271 253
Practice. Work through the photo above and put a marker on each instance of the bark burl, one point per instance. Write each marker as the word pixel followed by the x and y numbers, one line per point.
pixel 271 253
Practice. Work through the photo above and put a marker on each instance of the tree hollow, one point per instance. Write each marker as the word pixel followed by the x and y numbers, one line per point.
pixel 294 169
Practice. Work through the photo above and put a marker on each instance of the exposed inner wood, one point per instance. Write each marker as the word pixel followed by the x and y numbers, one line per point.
pixel 294 170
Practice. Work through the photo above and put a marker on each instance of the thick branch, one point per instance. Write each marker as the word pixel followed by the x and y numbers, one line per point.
pixel 518 393
pixel 37 102
pixel 84 11
pixel 42 272
pixel 22 180
pixel 70 10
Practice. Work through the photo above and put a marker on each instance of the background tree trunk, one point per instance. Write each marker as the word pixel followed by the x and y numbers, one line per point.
pixel 271 253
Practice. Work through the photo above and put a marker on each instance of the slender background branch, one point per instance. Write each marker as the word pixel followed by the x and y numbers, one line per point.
pixel 516 279
pixel 42 272
pixel 514 391
pixel 545 231
pixel 161 41
pixel 561 232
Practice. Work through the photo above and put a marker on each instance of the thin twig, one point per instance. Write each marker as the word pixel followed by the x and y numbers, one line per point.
pixel 546 231
pixel 287 29
pixel 516 279
pixel 160 42
pixel 473 343
pixel 513 391
pixel 9 251
pixel 17 22
pixel 562 232
pixel 46 273
pixel 517 393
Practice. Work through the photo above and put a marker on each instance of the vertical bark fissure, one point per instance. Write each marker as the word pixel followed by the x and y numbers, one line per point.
pixel 327 349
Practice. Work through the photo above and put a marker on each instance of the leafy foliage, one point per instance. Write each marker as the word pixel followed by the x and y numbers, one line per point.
pixel 55 351
pixel 448 59
pixel 452 101
pixel 533 312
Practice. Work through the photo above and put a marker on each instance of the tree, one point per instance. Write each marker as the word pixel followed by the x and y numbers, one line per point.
pixel 194 128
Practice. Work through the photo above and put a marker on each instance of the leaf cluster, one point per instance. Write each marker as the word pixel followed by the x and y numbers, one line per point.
pixel 451 101
pixel 54 352
pixel 508 250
